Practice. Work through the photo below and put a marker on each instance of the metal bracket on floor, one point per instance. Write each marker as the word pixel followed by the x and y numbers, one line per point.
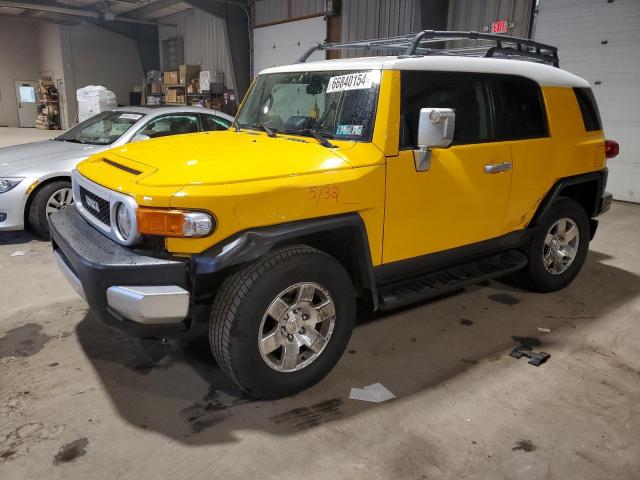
pixel 536 359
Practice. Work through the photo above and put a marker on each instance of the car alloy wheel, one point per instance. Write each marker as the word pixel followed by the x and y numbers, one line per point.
pixel 296 327
pixel 59 199
pixel 560 246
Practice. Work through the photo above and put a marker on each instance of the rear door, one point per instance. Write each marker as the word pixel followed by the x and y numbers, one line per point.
pixel 460 200
pixel 521 123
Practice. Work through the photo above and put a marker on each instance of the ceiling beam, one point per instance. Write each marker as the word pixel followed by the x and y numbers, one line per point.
pixel 55 7
pixel 150 8
pixel 23 18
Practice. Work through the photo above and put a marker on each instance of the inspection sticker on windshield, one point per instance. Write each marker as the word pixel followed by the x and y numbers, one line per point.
pixel 349 130
pixel 351 81
pixel 131 116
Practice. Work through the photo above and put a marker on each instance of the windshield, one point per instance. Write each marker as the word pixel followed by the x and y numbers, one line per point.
pixel 334 104
pixel 101 129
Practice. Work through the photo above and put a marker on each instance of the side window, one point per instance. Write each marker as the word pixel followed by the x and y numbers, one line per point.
pixel 589 109
pixel 211 123
pixel 519 111
pixel 466 94
pixel 171 125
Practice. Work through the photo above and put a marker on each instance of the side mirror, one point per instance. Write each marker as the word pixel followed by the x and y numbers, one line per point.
pixel 435 130
pixel 140 136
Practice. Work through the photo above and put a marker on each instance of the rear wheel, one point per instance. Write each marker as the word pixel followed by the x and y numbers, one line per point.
pixel 558 248
pixel 48 199
pixel 279 325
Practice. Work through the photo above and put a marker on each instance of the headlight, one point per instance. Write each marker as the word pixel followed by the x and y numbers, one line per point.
pixel 174 223
pixel 125 222
pixel 7 184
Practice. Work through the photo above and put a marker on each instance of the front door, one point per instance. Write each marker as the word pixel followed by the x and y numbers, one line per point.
pixel 26 98
pixel 457 201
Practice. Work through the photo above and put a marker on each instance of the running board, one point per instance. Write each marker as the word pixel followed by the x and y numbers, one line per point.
pixel 450 279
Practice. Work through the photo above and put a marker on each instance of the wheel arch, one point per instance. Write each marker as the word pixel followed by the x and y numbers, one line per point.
pixel 344 237
pixel 587 189
pixel 41 183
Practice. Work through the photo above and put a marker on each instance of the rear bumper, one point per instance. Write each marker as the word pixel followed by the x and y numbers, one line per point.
pixel 146 296
pixel 605 203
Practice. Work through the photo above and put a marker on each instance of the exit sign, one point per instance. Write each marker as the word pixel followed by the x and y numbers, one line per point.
pixel 501 26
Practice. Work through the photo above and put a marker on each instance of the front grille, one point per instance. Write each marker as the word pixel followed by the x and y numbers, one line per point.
pixel 96 206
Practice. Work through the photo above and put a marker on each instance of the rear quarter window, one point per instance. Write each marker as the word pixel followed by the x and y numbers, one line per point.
pixel 588 108
pixel 520 111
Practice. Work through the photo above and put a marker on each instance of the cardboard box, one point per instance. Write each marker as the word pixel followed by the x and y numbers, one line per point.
pixel 155 87
pixel 171 77
pixel 171 96
pixel 188 73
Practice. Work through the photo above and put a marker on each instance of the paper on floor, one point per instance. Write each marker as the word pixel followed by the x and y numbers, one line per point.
pixel 18 253
pixel 373 393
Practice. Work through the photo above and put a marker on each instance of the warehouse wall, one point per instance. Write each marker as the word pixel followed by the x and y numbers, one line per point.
pixel 269 11
pixel 476 14
pixel 18 61
pixel 101 57
pixel 205 41
pixel 366 19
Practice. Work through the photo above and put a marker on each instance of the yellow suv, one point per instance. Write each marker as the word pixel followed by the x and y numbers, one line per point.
pixel 377 181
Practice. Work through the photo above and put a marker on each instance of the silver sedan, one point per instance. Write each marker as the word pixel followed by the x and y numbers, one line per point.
pixel 35 178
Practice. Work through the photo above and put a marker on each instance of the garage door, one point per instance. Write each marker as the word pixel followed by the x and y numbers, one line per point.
pixel 284 43
pixel 600 41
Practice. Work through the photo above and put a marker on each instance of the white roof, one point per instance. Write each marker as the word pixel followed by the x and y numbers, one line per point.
pixel 545 75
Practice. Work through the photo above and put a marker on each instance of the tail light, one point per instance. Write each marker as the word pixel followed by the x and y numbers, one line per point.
pixel 611 148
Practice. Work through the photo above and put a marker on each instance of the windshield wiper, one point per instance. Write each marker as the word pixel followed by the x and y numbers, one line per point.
pixel 259 126
pixel 320 138
pixel 72 140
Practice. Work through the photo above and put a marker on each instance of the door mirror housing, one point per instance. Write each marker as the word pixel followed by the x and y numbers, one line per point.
pixel 139 137
pixel 435 130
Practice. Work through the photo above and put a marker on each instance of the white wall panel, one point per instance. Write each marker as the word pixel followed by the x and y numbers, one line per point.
pixel 578 28
pixel 284 43
pixel 205 42
pixel 17 62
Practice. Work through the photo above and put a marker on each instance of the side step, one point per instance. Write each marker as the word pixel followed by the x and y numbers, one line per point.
pixel 450 279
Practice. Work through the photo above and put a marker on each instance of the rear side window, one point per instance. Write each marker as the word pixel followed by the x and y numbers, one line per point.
pixel 466 94
pixel 520 112
pixel 589 109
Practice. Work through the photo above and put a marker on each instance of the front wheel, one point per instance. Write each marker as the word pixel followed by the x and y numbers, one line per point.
pixel 558 248
pixel 279 325
pixel 48 199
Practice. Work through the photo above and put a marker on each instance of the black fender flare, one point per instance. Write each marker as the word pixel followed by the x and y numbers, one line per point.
pixel 600 177
pixel 249 245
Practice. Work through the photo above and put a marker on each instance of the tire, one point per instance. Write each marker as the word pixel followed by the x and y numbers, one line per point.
pixel 538 277
pixel 38 209
pixel 239 318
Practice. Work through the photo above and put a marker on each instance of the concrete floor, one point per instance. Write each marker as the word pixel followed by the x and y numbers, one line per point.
pixel 15 136
pixel 80 401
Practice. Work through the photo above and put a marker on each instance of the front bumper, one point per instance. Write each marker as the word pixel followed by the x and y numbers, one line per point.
pixel 146 296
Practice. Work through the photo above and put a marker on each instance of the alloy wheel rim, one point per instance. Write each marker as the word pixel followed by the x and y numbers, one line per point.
pixel 59 199
pixel 560 246
pixel 296 327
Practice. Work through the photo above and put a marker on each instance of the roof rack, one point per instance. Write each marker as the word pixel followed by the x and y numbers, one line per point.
pixel 419 44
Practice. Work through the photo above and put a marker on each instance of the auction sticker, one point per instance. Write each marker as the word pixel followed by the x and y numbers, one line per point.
pixel 131 116
pixel 351 81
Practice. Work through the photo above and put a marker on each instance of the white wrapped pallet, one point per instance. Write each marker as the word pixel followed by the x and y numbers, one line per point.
pixel 93 100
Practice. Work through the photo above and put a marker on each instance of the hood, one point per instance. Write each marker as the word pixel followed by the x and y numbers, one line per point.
pixel 20 158
pixel 214 158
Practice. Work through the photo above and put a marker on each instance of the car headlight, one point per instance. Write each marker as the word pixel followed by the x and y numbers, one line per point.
pixel 125 219
pixel 7 184
pixel 174 222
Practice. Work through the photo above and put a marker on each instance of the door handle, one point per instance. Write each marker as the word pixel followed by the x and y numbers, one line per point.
pixel 497 167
